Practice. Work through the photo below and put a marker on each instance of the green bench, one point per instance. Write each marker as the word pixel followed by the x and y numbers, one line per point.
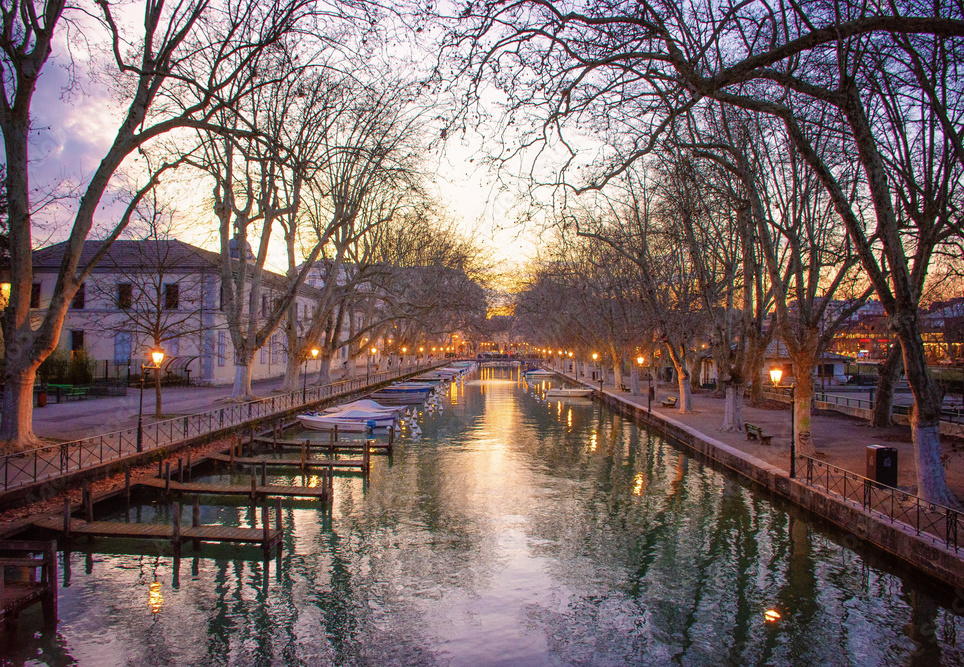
pixel 754 432
pixel 670 402
pixel 68 391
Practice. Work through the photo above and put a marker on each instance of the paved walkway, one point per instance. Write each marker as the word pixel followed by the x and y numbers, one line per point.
pixel 81 419
pixel 840 439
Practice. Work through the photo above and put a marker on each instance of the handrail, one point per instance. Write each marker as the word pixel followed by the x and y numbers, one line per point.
pixel 50 461
pixel 950 415
pixel 939 523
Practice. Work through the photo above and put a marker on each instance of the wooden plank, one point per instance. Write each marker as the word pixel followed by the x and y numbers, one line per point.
pixel 346 445
pixel 294 463
pixel 235 489
pixel 211 533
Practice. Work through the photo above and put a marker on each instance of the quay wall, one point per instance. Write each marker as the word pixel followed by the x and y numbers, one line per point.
pixel 897 539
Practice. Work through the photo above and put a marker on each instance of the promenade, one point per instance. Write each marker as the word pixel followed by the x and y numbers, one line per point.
pixel 839 439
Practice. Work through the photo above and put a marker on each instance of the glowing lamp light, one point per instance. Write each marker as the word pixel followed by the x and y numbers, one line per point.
pixel 640 359
pixel 595 356
pixel 154 597
pixel 570 354
pixel 404 350
pixel 771 615
pixel 421 349
pixel 775 375
pixel 157 356
pixel 314 352
pixel 374 350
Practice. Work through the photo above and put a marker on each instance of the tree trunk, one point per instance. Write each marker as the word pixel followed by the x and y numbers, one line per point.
pixel 695 380
pixel 803 398
pixel 733 408
pixel 634 380
pixel 241 390
pixel 883 407
pixel 293 367
pixel 617 371
pixel 685 395
pixel 924 416
pixel 324 368
pixel 16 430
pixel 754 369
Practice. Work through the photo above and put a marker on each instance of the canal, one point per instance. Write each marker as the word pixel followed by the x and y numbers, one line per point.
pixel 515 531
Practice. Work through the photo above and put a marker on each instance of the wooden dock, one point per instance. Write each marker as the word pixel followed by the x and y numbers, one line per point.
pixel 16 594
pixel 358 464
pixel 266 537
pixel 256 491
pixel 340 446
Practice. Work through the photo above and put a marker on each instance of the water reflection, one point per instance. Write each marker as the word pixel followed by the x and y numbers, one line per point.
pixel 515 531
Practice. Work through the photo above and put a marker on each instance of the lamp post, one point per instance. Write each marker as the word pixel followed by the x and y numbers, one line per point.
pixel 640 360
pixel 775 375
pixel 368 366
pixel 595 364
pixel 157 356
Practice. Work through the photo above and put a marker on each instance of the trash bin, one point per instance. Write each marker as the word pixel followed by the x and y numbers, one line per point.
pixel 41 398
pixel 882 464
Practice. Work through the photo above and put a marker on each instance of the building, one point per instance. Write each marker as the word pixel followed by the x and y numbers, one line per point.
pixel 158 286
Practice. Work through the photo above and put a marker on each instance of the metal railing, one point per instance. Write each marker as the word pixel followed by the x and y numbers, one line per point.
pixel 44 463
pixel 950 415
pixel 932 521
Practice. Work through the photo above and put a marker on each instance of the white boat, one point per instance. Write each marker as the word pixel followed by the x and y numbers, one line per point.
pixel 539 373
pixel 355 421
pixel 364 404
pixel 564 392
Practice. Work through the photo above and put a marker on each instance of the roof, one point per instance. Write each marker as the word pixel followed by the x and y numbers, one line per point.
pixel 777 349
pixel 132 254
pixel 129 254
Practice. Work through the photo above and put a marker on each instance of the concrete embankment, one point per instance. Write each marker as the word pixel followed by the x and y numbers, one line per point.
pixel 897 539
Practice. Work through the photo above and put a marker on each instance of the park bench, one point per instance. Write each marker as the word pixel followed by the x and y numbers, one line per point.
pixel 670 402
pixel 624 387
pixel 754 432
pixel 68 391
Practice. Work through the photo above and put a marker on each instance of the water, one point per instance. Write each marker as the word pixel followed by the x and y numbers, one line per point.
pixel 516 532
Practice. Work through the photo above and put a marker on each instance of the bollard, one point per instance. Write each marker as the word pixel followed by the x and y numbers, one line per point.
pixel 160 469
pixel 89 503
pixel 180 470
pixel 367 458
pixel 336 432
pixel 277 513
pixel 167 477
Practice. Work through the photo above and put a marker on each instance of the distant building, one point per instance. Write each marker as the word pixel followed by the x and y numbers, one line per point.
pixel 174 280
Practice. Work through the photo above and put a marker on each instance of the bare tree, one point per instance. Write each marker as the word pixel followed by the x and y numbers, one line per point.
pixel 173 73
pixel 816 67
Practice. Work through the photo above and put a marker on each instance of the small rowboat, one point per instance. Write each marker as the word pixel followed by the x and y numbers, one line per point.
pixel 568 393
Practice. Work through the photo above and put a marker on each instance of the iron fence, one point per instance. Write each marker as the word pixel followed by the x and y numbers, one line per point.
pixel 932 521
pixel 950 415
pixel 51 461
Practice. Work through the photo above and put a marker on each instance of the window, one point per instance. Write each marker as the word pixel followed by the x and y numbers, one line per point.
pixel 122 347
pixel 264 354
pixel 222 344
pixel 125 295
pixel 171 296
pixel 35 295
pixel 78 302
pixel 264 305
pixel 76 341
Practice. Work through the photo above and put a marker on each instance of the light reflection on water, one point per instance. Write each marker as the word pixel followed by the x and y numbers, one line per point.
pixel 517 531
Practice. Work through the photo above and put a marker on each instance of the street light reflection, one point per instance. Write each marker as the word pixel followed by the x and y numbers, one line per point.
pixel 154 597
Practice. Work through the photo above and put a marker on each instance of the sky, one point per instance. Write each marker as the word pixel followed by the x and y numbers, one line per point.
pixel 75 119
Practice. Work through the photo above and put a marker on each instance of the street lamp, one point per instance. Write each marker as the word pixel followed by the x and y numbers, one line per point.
pixel 157 356
pixel 595 359
pixel 304 389
pixel 368 366
pixel 775 375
